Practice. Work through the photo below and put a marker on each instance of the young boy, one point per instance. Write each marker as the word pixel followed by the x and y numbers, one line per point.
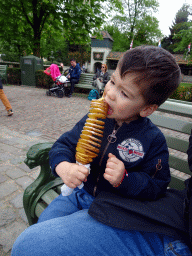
pixel 143 80
pixel 132 163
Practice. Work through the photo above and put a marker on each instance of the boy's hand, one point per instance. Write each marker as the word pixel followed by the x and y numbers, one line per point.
pixel 114 170
pixel 72 174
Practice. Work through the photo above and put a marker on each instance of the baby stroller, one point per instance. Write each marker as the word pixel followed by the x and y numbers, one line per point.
pixel 60 86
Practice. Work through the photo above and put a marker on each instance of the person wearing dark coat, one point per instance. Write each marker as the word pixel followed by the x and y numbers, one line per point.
pixel 73 75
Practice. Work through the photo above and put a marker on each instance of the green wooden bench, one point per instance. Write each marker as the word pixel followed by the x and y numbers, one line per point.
pixel 46 187
pixel 3 72
pixel 85 81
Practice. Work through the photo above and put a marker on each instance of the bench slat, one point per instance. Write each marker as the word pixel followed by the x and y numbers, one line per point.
pixel 177 144
pixel 176 183
pixel 49 196
pixel 171 123
pixel 177 107
pixel 3 72
pixel 179 164
pixel 40 207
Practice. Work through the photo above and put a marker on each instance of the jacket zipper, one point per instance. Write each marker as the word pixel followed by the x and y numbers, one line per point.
pixel 110 140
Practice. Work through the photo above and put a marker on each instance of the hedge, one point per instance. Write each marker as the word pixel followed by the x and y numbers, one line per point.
pixel 14 76
pixel 43 80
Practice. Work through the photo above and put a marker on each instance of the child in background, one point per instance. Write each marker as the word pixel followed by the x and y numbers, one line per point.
pixel 132 163
pixel 5 101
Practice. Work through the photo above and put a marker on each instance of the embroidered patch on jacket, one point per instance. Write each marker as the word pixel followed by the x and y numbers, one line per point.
pixel 131 150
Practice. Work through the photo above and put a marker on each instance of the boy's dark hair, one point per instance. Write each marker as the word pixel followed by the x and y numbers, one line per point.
pixel 72 59
pixel 158 74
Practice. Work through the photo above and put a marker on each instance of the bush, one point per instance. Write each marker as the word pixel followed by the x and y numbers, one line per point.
pixel 14 76
pixel 43 80
pixel 48 62
pixel 182 93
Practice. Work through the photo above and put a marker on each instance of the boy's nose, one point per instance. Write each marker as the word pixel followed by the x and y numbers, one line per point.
pixel 110 92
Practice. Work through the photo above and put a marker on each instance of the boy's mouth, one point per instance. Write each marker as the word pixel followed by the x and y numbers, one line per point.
pixel 110 111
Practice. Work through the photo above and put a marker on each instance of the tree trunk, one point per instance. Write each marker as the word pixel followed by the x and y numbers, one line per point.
pixel 36 45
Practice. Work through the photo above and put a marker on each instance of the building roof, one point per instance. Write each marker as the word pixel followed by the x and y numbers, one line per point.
pixel 104 34
pixel 115 55
pixel 180 59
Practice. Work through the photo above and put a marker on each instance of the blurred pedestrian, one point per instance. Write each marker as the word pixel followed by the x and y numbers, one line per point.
pixel 5 101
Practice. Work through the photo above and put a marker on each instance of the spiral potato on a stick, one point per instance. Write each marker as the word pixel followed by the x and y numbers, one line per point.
pixel 90 139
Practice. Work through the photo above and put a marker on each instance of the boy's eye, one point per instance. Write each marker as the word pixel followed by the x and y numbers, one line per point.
pixel 112 82
pixel 124 94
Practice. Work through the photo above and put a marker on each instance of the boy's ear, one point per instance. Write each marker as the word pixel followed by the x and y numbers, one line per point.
pixel 148 110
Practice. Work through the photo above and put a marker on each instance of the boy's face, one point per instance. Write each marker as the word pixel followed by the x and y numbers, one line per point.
pixel 124 98
pixel 73 63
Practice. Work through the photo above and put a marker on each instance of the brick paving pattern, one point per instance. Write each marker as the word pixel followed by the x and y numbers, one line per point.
pixel 37 118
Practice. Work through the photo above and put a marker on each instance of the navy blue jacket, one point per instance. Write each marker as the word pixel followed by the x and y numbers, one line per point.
pixel 140 145
pixel 75 72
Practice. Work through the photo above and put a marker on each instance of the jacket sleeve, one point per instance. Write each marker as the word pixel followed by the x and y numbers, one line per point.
pixel 106 78
pixel 65 147
pixel 76 72
pixel 151 178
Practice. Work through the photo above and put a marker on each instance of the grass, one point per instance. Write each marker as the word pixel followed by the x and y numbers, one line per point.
pixel 186 85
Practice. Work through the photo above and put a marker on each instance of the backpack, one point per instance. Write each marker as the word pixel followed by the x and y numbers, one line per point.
pixel 93 95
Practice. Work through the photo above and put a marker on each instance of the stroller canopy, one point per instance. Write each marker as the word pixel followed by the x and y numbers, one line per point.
pixel 53 71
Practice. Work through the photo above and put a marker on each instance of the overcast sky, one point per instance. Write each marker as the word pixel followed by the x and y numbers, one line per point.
pixel 167 12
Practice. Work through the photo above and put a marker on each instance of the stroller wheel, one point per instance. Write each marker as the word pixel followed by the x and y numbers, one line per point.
pixel 60 93
pixel 67 91
pixel 48 93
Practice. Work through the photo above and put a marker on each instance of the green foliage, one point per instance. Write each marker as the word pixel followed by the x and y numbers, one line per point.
pixel 80 58
pixel 121 42
pixel 182 93
pixel 138 19
pixel 146 34
pixel 36 27
pixel 14 76
pixel 184 37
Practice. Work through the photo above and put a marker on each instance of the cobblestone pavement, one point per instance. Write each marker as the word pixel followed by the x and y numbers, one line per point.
pixel 37 118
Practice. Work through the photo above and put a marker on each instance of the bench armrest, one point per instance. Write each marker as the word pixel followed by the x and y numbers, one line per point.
pixel 38 155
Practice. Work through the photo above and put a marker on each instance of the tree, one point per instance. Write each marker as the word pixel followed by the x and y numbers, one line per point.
pixel 184 38
pixel 120 43
pixel 179 31
pixel 138 20
pixel 24 21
